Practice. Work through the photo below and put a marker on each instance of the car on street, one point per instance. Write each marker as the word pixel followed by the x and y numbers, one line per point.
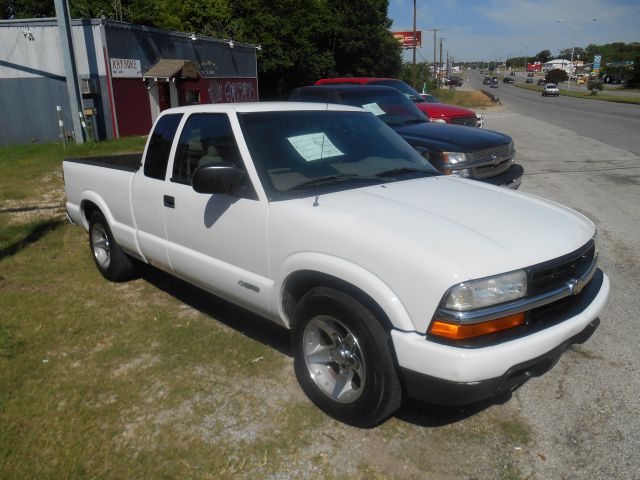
pixel 529 80
pixel 486 81
pixel 437 112
pixel 479 154
pixel 508 80
pixel 494 83
pixel 550 90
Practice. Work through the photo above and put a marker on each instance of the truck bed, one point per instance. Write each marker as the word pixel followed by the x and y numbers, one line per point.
pixel 129 161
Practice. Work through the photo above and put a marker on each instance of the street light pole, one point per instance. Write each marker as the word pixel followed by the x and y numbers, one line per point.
pixel 573 44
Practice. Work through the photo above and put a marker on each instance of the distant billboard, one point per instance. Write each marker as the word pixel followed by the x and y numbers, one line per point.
pixel 406 38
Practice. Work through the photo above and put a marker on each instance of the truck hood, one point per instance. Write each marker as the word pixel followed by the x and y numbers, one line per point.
pixel 443 110
pixel 468 228
pixel 451 138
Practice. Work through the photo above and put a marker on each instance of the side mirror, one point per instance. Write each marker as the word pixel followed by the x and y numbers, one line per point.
pixel 216 178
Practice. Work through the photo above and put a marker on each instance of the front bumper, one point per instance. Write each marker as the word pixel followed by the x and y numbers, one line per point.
pixel 445 392
pixel 452 375
pixel 512 178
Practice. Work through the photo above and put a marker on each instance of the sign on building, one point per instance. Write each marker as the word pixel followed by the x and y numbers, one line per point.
pixel 125 68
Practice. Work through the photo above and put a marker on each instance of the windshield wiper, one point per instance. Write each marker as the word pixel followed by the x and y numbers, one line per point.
pixel 329 179
pixel 403 170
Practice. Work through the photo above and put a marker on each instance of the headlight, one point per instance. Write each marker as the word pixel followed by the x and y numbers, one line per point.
pixel 486 292
pixel 454 158
pixel 437 120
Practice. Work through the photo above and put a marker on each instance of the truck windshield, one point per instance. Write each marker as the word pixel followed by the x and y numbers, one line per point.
pixel 402 87
pixel 309 151
pixel 392 107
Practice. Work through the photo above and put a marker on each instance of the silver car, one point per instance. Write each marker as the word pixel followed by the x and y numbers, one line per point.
pixel 550 90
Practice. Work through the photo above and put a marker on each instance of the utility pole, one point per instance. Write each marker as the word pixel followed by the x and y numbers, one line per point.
pixel 434 30
pixel 440 69
pixel 71 74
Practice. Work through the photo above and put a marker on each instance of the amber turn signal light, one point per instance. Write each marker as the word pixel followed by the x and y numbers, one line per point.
pixel 455 331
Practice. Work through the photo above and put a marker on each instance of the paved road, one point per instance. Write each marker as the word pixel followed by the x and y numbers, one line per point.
pixel 615 124
pixel 584 413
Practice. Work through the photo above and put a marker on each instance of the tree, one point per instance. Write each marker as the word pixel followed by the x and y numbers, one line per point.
pixel 634 81
pixel 543 56
pixel 556 76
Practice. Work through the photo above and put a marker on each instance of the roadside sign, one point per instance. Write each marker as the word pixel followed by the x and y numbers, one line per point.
pixel 406 38
pixel 597 60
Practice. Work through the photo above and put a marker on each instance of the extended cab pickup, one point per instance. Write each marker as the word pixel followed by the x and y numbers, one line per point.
pixel 394 279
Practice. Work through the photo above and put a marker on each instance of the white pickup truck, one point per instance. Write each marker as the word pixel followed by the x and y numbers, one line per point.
pixel 394 279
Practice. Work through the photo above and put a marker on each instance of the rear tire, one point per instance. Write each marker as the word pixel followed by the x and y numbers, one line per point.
pixel 110 259
pixel 343 358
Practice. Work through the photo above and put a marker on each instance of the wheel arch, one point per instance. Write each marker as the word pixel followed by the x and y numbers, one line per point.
pixel 318 270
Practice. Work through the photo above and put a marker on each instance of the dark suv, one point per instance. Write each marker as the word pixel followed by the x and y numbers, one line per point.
pixel 459 151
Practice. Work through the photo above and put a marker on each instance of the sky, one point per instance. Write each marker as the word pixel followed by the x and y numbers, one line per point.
pixel 498 29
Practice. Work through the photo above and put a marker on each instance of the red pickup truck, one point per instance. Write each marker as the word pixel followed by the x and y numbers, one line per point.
pixel 437 112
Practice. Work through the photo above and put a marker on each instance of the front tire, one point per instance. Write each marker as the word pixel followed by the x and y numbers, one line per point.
pixel 343 358
pixel 110 259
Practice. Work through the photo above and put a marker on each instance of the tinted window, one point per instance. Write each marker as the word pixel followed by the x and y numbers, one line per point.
pixel 205 139
pixel 390 106
pixel 155 163
pixel 292 150
pixel 402 87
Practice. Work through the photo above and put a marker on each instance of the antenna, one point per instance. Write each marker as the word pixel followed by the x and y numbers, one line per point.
pixel 315 202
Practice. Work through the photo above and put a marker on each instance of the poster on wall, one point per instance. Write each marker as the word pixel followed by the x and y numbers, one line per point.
pixel 125 68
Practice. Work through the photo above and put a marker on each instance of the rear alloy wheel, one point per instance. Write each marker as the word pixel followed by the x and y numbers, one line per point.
pixel 112 262
pixel 343 358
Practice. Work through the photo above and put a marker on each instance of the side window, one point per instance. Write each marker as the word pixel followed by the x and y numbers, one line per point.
pixel 155 163
pixel 206 139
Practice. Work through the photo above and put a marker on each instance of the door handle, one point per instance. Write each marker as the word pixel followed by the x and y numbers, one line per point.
pixel 169 201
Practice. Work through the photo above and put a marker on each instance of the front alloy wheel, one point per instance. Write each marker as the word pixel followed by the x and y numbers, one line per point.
pixel 334 359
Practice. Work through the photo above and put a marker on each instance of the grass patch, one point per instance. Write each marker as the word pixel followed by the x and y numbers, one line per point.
pixel 467 99
pixel 22 164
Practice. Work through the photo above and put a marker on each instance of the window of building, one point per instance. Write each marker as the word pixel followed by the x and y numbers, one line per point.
pixel 155 163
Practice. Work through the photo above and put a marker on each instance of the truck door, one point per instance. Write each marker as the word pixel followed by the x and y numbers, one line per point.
pixel 147 192
pixel 219 241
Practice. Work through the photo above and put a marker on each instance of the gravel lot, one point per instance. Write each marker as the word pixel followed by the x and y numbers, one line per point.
pixel 584 414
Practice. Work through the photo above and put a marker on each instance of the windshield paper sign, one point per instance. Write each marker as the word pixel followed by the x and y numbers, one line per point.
pixel 373 108
pixel 314 146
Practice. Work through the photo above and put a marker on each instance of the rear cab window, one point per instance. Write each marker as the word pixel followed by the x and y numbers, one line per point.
pixel 157 157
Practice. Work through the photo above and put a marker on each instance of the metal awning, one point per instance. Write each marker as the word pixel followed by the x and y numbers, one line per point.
pixel 168 69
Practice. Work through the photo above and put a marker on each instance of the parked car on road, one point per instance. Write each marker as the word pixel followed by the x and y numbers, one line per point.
pixel 465 152
pixel 550 90
pixel 437 112
pixel 395 280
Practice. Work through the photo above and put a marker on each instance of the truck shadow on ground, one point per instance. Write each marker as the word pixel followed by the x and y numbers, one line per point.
pixel 268 333
pixel 36 233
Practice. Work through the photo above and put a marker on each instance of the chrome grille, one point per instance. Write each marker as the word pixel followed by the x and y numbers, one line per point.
pixel 489 153
pixel 468 121
pixel 498 160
